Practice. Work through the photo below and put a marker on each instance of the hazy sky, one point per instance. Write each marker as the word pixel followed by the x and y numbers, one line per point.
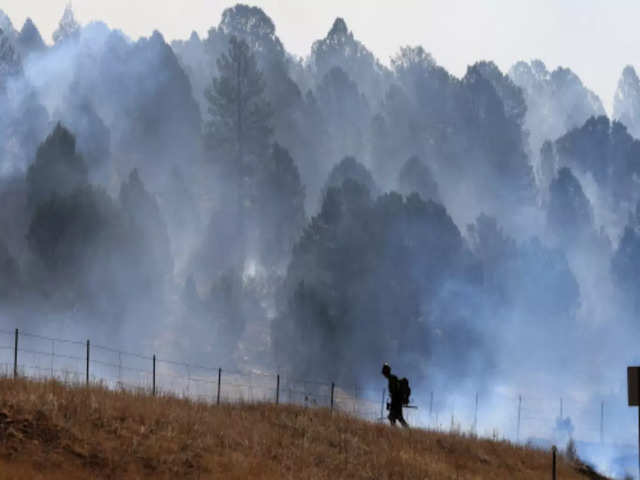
pixel 595 38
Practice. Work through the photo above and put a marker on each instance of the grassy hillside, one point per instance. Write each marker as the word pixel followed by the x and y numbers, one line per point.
pixel 48 430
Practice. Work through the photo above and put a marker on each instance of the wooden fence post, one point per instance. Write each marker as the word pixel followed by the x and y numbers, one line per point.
pixel 332 389
pixel 15 356
pixel 277 389
pixel 153 385
pixel 87 372
pixel 219 382
pixel 553 462
pixel 518 428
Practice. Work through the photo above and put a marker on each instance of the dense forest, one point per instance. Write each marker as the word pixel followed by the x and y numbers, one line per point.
pixel 225 201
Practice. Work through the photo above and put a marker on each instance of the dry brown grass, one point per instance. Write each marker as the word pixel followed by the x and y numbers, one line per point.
pixel 48 430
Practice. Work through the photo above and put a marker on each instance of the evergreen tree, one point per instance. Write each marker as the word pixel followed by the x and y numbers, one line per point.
pixel 625 262
pixel 350 168
pixel 281 206
pixel 68 28
pixel 626 103
pixel 364 280
pixel 548 163
pixel 239 113
pixel 569 215
pixel 340 49
pixel 29 39
pixel 10 61
pixel 9 273
pixel 511 95
pixel 556 101
pixel 416 176
pixel 143 213
pixel 58 167
pixel 346 110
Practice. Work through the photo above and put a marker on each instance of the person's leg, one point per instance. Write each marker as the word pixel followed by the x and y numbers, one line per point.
pixel 391 417
pixel 395 413
pixel 403 422
pixel 399 416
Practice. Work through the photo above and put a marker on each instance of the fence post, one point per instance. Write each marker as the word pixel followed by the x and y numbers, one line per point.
pixel 277 389
pixel 15 356
pixel 431 405
pixel 333 386
pixel 519 408
pixel 355 399
pixel 384 391
pixel 602 422
pixel 87 373
pixel 153 384
pixel 475 417
pixel 219 381
pixel 553 462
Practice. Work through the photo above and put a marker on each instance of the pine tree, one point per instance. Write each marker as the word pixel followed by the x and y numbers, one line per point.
pixel 68 27
pixel 239 113
pixel 10 61
pixel 58 167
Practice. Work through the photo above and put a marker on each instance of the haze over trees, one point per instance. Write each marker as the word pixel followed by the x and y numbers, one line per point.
pixel 224 199
pixel 556 101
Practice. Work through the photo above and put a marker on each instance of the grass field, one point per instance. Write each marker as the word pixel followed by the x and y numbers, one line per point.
pixel 52 431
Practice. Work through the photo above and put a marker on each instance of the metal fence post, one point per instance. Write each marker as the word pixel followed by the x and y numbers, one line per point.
pixel 332 389
pixel 219 382
pixel 15 356
pixel 153 384
pixel 475 417
pixel 431 405
pixel 518 428
pixel 277 389
pixel 602 422
pixel 87 373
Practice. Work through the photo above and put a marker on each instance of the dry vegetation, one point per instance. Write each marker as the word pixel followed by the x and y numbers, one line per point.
pixel 48 430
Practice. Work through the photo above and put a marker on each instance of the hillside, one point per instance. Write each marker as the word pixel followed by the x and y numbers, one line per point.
pixel 48 430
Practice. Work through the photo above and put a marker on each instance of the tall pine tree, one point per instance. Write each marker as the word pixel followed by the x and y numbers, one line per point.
pixel 239 124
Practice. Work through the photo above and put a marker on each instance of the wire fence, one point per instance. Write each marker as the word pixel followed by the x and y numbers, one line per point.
pixel 25 354
pixel 503 414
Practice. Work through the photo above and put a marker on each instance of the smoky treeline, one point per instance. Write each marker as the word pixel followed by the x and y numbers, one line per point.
pixel 225 201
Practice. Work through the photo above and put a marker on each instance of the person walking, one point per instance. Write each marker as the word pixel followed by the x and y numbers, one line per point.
pixel 397 395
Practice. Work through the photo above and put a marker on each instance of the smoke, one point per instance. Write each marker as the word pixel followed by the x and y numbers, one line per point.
pixel 505 267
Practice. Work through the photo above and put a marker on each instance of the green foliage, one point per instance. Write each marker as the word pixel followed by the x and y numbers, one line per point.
pixel 143 213
pixel 68 231
pixel 341 49
pixel 89 254
pixel 362 278
pixel 280 206
pixel 606 151
pixel 625 263
pixel 346 110
pixel 239 113
pixel 58 167
pixel 569 215
pixel 512 273
pixel 9 273
pixel 415 176
pixel 350 168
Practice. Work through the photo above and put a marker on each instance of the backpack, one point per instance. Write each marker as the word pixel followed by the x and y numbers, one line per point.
pixel 404 390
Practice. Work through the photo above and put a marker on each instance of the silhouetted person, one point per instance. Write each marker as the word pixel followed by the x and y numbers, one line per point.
pixel 395 406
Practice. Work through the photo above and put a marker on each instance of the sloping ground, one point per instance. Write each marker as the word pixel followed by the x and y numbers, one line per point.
pixel 51 431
